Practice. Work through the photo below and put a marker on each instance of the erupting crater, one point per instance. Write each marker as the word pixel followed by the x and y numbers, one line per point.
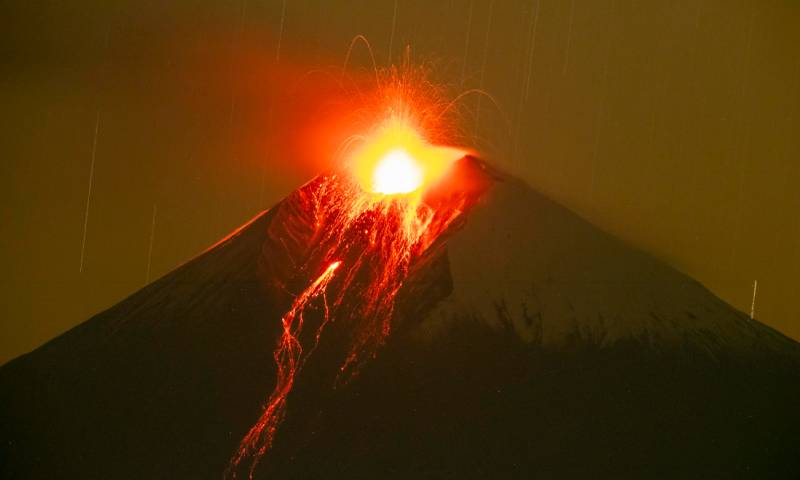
pixel 352 238
pixel 397 172
pixel 395 159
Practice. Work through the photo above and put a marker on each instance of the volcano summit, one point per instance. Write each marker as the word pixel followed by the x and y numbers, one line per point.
pixel 477 331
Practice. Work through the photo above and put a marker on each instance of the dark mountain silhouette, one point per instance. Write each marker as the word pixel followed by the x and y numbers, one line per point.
pixel 528 345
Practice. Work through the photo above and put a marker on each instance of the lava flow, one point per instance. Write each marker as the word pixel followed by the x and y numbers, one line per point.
pixel 363 226
pixel 288 359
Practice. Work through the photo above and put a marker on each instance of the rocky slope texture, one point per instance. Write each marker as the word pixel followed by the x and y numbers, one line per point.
pixel 524 342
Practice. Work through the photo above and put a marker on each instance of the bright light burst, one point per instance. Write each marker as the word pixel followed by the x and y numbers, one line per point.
pixel 396 159
pixel 397 172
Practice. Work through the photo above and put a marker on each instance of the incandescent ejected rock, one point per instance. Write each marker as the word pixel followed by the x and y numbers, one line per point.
pixel 523 343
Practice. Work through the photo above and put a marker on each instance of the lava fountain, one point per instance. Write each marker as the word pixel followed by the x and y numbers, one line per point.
pixel 351 237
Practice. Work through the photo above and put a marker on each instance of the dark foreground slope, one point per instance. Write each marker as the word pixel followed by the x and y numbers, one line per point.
pixel 536 347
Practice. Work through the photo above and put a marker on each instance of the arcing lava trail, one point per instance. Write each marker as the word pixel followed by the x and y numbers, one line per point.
pixel 365 243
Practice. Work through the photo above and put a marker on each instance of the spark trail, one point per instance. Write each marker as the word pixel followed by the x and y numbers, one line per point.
pixel 394 27
pixel 569 37
pixel 89 193
pixel 525 66
pixel 150 246
pixel 273 99
pixel 532 50
pixel 483 63
pixel 466 43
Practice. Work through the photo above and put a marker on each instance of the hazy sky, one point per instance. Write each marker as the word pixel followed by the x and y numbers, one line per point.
pixel 674 125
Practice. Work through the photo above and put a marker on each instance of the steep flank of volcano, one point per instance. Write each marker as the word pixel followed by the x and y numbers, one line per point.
pixel 525 261
pixel 155 385
pixel 524 343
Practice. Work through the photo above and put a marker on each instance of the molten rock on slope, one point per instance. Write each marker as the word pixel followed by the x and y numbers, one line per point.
pixel 517 341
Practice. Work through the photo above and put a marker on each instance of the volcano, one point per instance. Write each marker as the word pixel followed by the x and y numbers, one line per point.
pixel 508 339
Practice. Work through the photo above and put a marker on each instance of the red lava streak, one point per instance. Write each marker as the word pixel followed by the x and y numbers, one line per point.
pixel 378 238
pixel 288 359
pixel 363 225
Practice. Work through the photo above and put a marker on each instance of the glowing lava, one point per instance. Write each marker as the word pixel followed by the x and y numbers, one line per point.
pixel 397 172
pixel 369 242
pixel 366 225
pixel 288 359
pixel 396 159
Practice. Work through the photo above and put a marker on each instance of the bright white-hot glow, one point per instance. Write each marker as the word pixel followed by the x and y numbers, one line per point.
pixel 397 172
pixel 396 160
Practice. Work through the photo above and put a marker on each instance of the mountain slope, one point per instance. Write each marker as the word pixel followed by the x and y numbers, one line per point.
pixel 528 344
pixel 525 260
